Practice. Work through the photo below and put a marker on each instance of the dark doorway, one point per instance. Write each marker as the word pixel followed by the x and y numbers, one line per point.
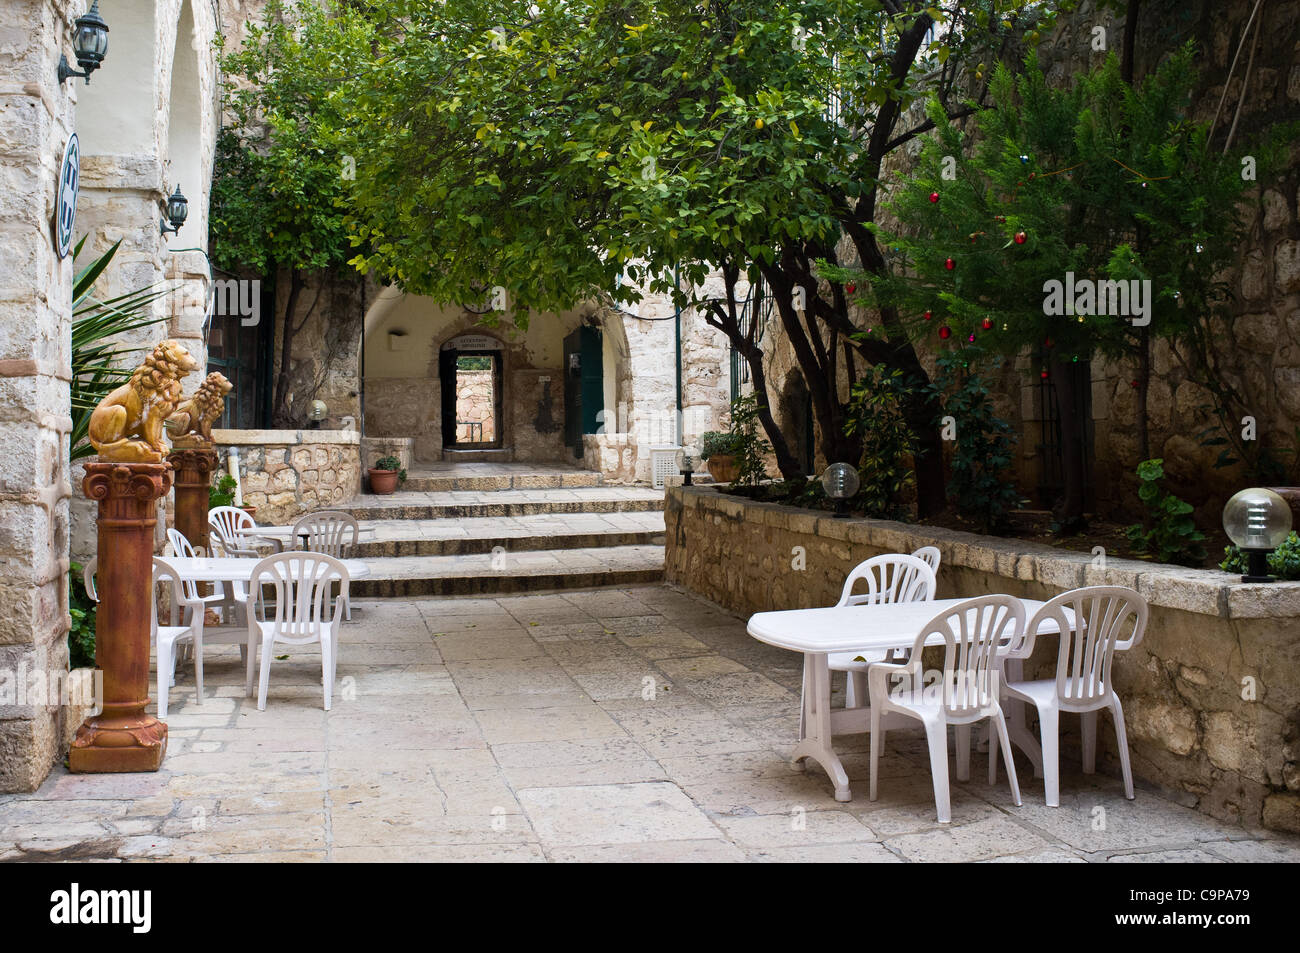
pixel 471 399
pixel 584 385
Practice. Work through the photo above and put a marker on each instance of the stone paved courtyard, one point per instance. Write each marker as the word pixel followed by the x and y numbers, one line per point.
pixel 611 724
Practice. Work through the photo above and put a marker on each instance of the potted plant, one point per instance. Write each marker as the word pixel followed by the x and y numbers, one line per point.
pixel 386 474
pixel 719 451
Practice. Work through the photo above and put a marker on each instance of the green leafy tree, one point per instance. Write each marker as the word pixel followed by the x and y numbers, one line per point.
pixel 549 149
pixel 1100 180
pixel 889 445
pixel 281 179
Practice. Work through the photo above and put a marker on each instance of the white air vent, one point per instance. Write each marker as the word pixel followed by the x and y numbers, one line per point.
pixel 663 464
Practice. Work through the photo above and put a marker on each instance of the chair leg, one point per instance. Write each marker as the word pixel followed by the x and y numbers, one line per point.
pixel 327 671
pixel 963 752
pixel 249 653
pixel 1089 742
pixel 347 607
pixel 198 666
pixel 1049 719
pixel 1117 713
pixel 877 745
pixel 993 761
pixel 264 682
pixel 936 734
pixel 803 702
pixel 1000 722
pixel 165 651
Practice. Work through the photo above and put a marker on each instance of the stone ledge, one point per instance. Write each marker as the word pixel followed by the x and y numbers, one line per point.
pixel 1201 591
pixel 284 438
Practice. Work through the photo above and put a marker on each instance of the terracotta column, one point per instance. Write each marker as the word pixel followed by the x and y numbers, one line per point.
pixel 194 467
pixel 122 737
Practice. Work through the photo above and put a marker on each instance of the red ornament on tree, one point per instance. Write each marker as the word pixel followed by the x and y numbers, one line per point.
pixel 987 324
pixel 1043 374
pixel 949 264
pixel 850 287
pixel 934 196
pixel 927 315
pixel 1133 383
pixel 1020 238
pixel 945 332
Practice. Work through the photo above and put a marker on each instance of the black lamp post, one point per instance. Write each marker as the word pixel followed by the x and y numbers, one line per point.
pixel 178 208
pixel 89 43
pixel 840 481
pixel 1258 521
pixel 685 467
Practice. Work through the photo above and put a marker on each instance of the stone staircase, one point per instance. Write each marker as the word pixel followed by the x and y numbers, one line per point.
pixel 461 528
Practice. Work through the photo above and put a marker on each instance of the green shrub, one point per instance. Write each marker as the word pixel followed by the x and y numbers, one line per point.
pixel 1283 562
pixel 983 444
pixel 714 444
pixel 81 637
pixel 222 493
pixel 876 414
pixel 1172 536
pixel 742 442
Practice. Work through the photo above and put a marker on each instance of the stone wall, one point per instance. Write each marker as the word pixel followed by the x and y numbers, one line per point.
pixel 1211 695
pixel 36 119
pixel 475 403
pixel 286 473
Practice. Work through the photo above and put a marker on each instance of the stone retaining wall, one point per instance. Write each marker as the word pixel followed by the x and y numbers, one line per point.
pixel 286 473
pixel 1211 695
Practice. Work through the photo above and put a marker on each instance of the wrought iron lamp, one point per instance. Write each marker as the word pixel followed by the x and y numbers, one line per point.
pixel 178 209
pixel 89 44
pixel 1258 521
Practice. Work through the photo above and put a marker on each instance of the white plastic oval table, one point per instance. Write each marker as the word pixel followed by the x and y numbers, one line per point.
pixel 864 628
pixel 240 568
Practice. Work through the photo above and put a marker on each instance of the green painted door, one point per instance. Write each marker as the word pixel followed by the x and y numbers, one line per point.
pixel 584 385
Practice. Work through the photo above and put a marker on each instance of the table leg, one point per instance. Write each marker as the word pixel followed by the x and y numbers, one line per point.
pixel 816 740
pixel 1013 709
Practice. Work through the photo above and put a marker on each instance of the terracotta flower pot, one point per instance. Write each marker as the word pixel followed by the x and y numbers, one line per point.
pixel 723 468
pixel 383 482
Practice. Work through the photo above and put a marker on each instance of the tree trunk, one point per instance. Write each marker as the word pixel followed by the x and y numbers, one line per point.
pixel 280 415
pixel 1069 511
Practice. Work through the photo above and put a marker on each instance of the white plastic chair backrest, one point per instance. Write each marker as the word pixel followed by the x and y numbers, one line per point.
pixel 164 572
pixel 892 577
pixel 88 577
pixel 228 524
pixel 328 531
pixel 931 555
pixel 973 634
pixel 181 547
pixel 1094 623
pixel 301 583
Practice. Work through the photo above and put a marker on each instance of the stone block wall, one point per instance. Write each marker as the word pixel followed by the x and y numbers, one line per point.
pixel 36 120
pixel 475 403
pixel 1211 695
pixel 286 473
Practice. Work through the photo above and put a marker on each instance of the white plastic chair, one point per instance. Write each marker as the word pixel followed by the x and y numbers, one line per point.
pixel 167 638
pixel 232 531
pixel 1102 620
pixel 330 532
pixel 238 596
pixel 931 555
pixel 974 634
pixel 893 577
pixel 302 614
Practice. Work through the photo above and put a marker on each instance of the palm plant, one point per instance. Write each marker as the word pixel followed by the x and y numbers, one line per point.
pixel 96 369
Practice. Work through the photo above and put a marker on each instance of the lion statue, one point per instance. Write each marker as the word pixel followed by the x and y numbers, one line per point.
pixel 127 426
pixel 193 420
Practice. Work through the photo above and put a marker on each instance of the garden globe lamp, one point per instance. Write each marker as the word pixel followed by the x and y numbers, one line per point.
pixel 685 466
pixel 840 481
pixel 1258 521
pixel 317 413
pixel 89 44
pixel 178 209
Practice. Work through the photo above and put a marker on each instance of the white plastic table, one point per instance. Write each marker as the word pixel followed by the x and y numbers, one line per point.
pixel 863 628
pixel 284 534
pixel 240 569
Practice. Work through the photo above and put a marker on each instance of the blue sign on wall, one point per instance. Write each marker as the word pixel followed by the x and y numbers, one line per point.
pixel 65 214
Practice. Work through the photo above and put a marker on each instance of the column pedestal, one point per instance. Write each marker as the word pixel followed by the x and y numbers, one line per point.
pixel 122 737
pixel 194 468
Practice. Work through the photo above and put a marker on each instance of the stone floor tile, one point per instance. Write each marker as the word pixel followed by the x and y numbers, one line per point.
pixel 614 814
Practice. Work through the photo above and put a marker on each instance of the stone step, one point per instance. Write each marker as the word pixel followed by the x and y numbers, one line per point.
pixel 451 537
pixel 502 455
pixel 484 574
pixel 433 481
pixel 461 504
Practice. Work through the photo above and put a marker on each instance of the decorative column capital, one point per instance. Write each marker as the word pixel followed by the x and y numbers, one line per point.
pixel 141 482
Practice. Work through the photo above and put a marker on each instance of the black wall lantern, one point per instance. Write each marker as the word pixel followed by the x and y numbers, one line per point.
pixel 178 207
pixel 89 43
